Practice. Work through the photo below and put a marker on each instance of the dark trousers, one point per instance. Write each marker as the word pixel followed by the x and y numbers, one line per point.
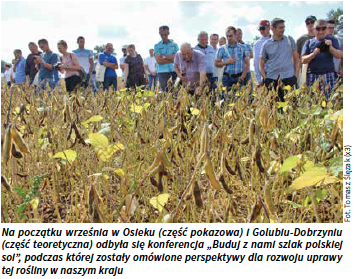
pixel 108 81
pixel 292 81
pixel 163 79
pixel 72 82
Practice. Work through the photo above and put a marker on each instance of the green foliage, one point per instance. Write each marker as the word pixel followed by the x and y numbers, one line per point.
pixel 29 195
pixel 335 14
pixel 101 49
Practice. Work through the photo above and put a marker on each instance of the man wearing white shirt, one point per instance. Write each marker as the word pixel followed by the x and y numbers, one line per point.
pixel 122 59
pixel 264 29
pixel 151 70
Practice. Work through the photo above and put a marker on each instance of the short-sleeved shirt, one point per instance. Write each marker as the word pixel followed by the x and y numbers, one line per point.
pixel 20 71
pixel 8 74
pixel 31 65
pixel 209 53
pixel 278 57
pixel 256 50
pixel 68 61
pixel 239 52
pixel 151 63
pixel 83 56
pixel 301 41
pixel 50 58
pixel 323 62
pixel 192 68
pixel 110 59
pixel 167 49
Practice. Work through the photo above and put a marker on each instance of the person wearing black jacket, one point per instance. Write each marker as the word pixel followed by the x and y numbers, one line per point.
pixel 31 69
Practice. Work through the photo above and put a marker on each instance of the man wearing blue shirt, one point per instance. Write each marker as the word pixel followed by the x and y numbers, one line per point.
pixel 232 55
pixel 164 53
pixel 209 53
pixel 19 67
pixel 45 63
pixel 279 59
pixel 319 53
pixel 264 29
pixel 110 62
pixel 86 61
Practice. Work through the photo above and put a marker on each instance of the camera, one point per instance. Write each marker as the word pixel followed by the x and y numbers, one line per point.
pixel 57 66
pixel 323 47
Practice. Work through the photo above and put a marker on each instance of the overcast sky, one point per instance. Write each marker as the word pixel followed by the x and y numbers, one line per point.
pixel 138 22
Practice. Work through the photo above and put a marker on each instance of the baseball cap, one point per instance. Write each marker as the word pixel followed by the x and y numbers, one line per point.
pixel 264 22
pixel 124 47
pixel 311 17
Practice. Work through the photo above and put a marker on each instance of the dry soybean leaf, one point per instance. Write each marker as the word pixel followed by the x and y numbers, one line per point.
pixel 120 172
pixel 69 155
pixel 34 203
pixel 159 201
pixel 195 111
pixel 312 177
pixel 98 140
pixel 95 118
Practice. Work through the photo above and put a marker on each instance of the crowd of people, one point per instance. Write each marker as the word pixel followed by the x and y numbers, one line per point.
pixel 316 55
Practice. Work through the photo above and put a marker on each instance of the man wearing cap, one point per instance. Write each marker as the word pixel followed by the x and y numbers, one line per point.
pixel 209 54
pixel 122 59
pixel 318 53
pixel 310 33
pixel 264 29
pixel 232 56
pixel 164 53
pixel 279 59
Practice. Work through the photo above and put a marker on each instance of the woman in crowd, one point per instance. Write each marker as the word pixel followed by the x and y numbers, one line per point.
pixel 70 66
pixel 134 73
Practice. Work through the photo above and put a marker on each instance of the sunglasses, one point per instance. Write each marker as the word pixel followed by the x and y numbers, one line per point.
pixel 321 28
pixel 308 22
pixel 262 28
pixel 331 28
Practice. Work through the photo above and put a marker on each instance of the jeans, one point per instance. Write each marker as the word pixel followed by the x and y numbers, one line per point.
pixel 212 80
pixel 163 79
pixel 292 81
pixel 108 81
pixel 152 80
pixel 31 79
pixel 85 83
pixel 44 81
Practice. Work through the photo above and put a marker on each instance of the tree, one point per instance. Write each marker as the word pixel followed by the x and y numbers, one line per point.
pixel 3 66
pixel 100 49
pixel 254 41
pixel 336 14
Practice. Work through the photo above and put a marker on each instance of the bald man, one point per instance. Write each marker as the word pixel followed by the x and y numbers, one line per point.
pixel 190 67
